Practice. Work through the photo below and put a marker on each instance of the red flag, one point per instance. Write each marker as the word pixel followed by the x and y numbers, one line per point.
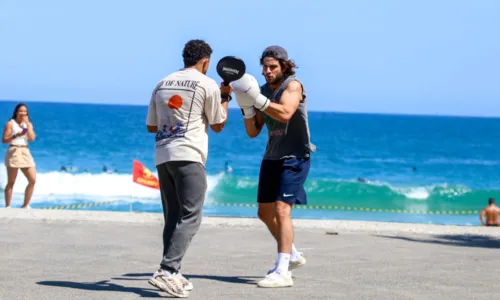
pixel 143 176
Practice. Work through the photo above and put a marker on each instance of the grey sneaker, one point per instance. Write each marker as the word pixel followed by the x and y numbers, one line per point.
pixel 188 285
pixel 168 283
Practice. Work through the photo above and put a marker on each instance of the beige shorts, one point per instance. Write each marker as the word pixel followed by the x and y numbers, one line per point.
pixel 19 157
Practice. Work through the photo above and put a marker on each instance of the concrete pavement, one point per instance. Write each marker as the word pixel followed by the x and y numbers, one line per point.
pixel 47 259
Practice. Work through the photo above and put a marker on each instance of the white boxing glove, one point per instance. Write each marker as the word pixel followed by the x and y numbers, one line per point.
pixel 248 85
pixel 245 102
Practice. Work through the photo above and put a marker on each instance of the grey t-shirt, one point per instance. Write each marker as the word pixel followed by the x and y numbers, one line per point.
pixel 291 139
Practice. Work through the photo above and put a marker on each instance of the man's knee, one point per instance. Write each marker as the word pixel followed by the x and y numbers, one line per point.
pixel 192 214
pixel 283 211
pixel 266 212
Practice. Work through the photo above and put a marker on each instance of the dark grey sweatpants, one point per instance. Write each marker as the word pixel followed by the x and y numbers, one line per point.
pixel 183 185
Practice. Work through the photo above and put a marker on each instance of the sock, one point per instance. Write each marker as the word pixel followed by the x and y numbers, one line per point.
pixel 165 272
pixel 295 254
pixel 283 261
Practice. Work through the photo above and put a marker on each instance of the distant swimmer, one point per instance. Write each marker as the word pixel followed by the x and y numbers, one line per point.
pixel 364 180
pixel 491 212
pixel 68 169
pixel 227 167
pixel 414 169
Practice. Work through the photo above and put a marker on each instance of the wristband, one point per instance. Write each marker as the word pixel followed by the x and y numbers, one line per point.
pixel 262 102
pixel 226 97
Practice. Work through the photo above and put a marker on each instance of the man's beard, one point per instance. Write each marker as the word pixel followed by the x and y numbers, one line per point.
pixel 277 80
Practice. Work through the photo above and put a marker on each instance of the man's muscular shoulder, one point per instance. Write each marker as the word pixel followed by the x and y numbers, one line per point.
pixel 294 89
pixel 294 86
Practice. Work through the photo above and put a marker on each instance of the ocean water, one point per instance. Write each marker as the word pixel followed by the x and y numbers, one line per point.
pixel 456 161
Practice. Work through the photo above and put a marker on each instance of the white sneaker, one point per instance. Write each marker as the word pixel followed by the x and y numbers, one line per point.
pixel 188 286
pixel 277 279
pixel 299 262
pixel 168 283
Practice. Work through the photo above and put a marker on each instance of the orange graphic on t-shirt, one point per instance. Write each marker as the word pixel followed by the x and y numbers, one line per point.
pixel 175 102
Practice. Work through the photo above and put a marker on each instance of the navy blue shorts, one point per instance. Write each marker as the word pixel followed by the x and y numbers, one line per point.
pixel 283 180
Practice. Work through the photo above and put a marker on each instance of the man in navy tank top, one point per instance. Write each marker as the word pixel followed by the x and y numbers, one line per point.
pixel 280 104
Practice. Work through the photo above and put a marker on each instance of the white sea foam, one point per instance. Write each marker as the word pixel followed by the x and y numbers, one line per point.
pixel 61 187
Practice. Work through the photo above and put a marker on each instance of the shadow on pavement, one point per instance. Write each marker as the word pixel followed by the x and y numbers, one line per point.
pixel 460 240
pixel 229 279
pixel 104 285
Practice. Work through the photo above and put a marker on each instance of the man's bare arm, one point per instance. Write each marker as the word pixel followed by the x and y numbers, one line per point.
pixel 254 125
pixel 219 127
pixel 481 216
pixel 289 102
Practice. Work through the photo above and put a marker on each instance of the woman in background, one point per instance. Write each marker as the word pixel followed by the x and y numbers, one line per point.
pixel 18 132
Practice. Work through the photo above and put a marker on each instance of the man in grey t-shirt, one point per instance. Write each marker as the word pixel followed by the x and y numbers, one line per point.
pixel 280 104
pixel 183 105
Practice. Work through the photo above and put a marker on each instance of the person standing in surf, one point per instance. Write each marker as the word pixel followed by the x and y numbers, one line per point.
pixel 491 212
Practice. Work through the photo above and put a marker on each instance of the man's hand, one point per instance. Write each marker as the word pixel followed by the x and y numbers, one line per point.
pixel 225 91
pixel 245 102
pixel 248 85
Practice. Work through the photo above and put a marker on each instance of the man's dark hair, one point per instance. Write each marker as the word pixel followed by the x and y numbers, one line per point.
pixel 491 201
pixel 288 66
pixel 194 51
pixel 281 55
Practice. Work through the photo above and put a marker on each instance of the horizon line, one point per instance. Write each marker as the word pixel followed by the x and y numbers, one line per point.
pixel 309 110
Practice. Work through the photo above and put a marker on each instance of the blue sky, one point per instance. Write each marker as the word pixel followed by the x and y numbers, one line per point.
pixel 417 57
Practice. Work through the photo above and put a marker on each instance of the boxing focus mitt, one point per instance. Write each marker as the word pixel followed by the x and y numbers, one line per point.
pixel 245 102
pixel 248 85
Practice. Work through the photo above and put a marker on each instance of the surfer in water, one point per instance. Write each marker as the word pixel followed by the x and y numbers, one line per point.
pixel 227 167
pixel 491 212
pixel 68 169
pixel 363 180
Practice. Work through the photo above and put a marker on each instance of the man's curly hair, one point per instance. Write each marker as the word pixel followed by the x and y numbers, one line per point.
pixel 194 51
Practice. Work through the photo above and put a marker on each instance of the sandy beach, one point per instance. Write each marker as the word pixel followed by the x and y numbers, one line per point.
pixel 107 255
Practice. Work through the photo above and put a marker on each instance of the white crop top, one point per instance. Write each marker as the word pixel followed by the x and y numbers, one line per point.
pixel 20 140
